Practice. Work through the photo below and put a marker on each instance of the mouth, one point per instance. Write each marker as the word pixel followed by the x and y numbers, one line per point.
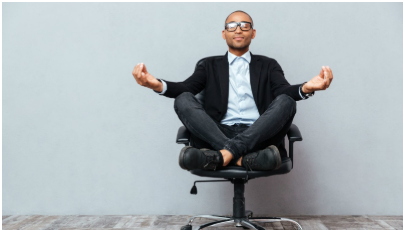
pixel 238 38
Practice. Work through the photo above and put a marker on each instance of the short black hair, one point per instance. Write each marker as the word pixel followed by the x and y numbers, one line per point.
pixel 242 12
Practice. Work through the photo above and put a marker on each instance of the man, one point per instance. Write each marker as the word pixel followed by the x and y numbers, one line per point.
pixel 249 105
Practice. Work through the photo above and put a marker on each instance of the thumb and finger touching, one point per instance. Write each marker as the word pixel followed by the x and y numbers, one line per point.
pixel 325 75
pixel 143 70
pixel 321 74
pixel 144 66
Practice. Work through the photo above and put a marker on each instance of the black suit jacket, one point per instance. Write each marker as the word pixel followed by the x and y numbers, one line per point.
pixel 212 74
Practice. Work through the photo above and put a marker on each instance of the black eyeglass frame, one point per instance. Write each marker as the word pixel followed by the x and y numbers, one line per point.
pixel 238 24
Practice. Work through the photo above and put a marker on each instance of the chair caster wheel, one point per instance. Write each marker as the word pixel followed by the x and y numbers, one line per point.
pixel 187 227
pixel 249 214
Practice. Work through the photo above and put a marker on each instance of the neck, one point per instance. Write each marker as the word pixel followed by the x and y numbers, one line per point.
pixel 238 52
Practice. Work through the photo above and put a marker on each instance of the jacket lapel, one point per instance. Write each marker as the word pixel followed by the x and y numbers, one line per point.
pixel 255 68
pixel 223 73
pixel 222 67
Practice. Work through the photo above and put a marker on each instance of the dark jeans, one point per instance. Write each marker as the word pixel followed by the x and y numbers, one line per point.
pixel 269 129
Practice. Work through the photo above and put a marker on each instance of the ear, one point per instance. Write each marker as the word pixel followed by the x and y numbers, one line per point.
pixel 254 33
pixel 223 35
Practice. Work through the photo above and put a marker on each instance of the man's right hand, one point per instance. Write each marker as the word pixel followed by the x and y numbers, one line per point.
pixel 144 78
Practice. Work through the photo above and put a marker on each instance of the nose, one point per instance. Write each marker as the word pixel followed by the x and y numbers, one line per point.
pixel 238 29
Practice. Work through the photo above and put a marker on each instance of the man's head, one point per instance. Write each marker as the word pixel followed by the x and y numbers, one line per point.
pixel 240 39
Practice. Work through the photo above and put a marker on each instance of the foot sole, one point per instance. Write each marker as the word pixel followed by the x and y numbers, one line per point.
pixel 181 157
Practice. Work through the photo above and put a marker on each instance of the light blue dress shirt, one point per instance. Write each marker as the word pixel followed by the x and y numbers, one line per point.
pixel 241 104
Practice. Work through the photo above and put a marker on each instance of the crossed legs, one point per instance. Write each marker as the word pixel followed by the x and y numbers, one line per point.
pixel 270 128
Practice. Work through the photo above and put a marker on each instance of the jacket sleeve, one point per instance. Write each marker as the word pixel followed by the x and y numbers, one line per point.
pixel 193 84
pixel 280 85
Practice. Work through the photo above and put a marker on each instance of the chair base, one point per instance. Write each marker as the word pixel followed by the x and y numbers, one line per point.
pixel 246 223
pixel 240 217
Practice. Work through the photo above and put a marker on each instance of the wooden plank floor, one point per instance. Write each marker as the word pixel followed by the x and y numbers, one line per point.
pixel 171 222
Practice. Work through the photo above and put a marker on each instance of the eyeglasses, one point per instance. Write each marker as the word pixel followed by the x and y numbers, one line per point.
pixel 232 26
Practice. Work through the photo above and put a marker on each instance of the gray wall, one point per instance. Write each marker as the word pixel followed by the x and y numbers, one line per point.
pixel 80 136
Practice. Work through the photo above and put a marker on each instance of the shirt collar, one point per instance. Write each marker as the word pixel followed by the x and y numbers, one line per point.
pixel 232 57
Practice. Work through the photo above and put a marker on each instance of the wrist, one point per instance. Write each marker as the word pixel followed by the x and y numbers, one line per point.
pixel 305 93
pixel 305 89
pixel 159 86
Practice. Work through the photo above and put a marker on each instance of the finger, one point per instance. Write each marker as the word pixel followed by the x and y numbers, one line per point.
pixel 321 73
pixel 324 77
pixel 144 68
pixel 330 76
pixel 138 77
pixel 325 70
pixel 139 72
pixel 330 73
pixel 327 78
pixel 134 71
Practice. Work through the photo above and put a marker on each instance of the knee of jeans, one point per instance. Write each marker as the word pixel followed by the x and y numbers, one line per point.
pixel 287 101
pixel 181 100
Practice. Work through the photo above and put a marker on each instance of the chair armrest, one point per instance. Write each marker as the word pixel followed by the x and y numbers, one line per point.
pixel 294 134
pixel 183 136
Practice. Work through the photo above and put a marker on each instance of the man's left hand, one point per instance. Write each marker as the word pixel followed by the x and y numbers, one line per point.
pixel 320 82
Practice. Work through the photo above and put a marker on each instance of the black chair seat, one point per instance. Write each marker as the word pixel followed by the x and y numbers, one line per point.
pixel 239 172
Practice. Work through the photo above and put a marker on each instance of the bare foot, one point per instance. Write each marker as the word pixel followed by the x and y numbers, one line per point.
pixel 239 161
pixel 227 156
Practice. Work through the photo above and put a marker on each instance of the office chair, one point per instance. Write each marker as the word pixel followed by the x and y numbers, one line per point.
pixel 238 176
